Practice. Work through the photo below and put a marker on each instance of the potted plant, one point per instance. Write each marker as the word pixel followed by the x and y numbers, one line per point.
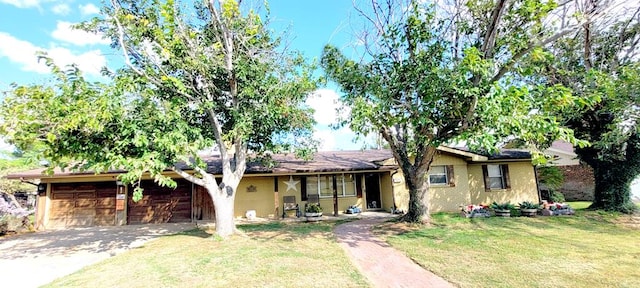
pixel 472 211
pixel 502 209
pixel 529 209
pixel 313 212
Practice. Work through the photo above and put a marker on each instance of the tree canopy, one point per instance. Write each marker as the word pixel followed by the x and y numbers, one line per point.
pixel 601 61
pixel 452 72
pixel 211 75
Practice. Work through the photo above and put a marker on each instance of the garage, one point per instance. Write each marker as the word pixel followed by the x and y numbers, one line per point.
pixel 83 204
pixel 160 204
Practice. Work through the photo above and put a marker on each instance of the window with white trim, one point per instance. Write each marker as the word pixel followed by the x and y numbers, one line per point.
pixel 348 184
pixel 438 175
pixel 441 175
pixel 496 176
pixel 323 185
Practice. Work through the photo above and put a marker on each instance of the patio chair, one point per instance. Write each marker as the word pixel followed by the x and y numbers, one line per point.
pixel 289 204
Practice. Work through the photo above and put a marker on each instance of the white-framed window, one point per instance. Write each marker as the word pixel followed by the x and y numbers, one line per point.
pixel 438 175
pixel 496 176
pixel 441 175
pixel 323 185
pixel 348 185
pixel 312 185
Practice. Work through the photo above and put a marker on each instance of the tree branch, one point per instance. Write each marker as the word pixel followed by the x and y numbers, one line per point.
pixel 127 59
pixel 189 177
pixel 532 45
pixel 492 29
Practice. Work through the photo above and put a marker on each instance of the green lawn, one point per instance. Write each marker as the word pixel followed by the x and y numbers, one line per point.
pixel 591 249
pixel 269 255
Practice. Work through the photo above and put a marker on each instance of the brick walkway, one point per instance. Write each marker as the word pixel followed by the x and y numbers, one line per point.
pixel 380 263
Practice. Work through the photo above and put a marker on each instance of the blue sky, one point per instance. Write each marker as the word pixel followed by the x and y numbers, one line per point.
pixel 27 26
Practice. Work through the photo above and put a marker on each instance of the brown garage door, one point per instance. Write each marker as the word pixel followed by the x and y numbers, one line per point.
pixel 83 204
pixel 160 204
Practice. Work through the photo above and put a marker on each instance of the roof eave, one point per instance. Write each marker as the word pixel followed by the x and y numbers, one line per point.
pixel 468 155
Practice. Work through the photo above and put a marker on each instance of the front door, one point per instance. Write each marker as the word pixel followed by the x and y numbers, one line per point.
pixel 372 186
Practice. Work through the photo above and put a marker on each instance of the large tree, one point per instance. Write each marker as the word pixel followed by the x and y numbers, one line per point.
pixel 450 72
pixel 211 75
pixel 601 60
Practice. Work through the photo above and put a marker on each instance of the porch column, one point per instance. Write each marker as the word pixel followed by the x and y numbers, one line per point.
pixel 335 196
pixel 276 196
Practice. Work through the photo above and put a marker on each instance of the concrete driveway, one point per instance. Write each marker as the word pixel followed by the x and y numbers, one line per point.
pixel 35 259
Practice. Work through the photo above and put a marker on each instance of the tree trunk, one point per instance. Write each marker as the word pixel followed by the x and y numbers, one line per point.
pixel 223 203
pixel 416 177
pixel 418 199
pixel 612 187
pixel 613 177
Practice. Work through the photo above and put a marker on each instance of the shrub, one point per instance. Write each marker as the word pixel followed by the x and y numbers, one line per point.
pixel 529 205
pixel 556 196
pixel 502 206
pixel 12 217
pixel 313 208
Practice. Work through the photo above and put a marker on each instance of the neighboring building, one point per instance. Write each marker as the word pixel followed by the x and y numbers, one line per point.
pixel 578 183
pixel 369 179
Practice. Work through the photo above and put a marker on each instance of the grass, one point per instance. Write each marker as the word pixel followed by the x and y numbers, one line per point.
pixel 268 255
pixel 591 249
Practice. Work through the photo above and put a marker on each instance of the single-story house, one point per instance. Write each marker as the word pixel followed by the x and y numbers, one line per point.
pixel 369 179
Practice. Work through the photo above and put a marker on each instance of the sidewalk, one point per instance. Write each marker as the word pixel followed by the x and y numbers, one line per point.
pixel 380 263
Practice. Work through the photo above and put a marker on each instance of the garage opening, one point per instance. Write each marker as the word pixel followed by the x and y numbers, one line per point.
pixel 82 204
pixel 160 204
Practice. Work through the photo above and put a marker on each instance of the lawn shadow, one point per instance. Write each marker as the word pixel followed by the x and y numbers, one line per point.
pixel 290 231
pixel 106 239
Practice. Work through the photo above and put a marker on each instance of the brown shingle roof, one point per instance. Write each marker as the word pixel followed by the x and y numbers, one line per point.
pixel 324 161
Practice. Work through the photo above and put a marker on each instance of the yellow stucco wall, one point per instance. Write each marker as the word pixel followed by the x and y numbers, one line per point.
pixel 442 197
pixel 386 196
pixel 400 191
pixel 469 186
pixel 523 185
pixel 260 197
pixel 445 197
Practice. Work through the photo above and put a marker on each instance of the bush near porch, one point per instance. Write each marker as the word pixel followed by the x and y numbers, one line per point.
pixel 592 248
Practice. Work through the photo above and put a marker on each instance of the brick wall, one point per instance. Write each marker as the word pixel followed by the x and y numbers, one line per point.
pixel 578 183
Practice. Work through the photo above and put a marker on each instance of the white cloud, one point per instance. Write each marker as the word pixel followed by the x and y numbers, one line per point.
pixel 65 32
pixel 325 102
pixel 326 139
pixel 88 9
pixel 340 139
pixel 23 3
pixel 24 53
pixel 61 9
